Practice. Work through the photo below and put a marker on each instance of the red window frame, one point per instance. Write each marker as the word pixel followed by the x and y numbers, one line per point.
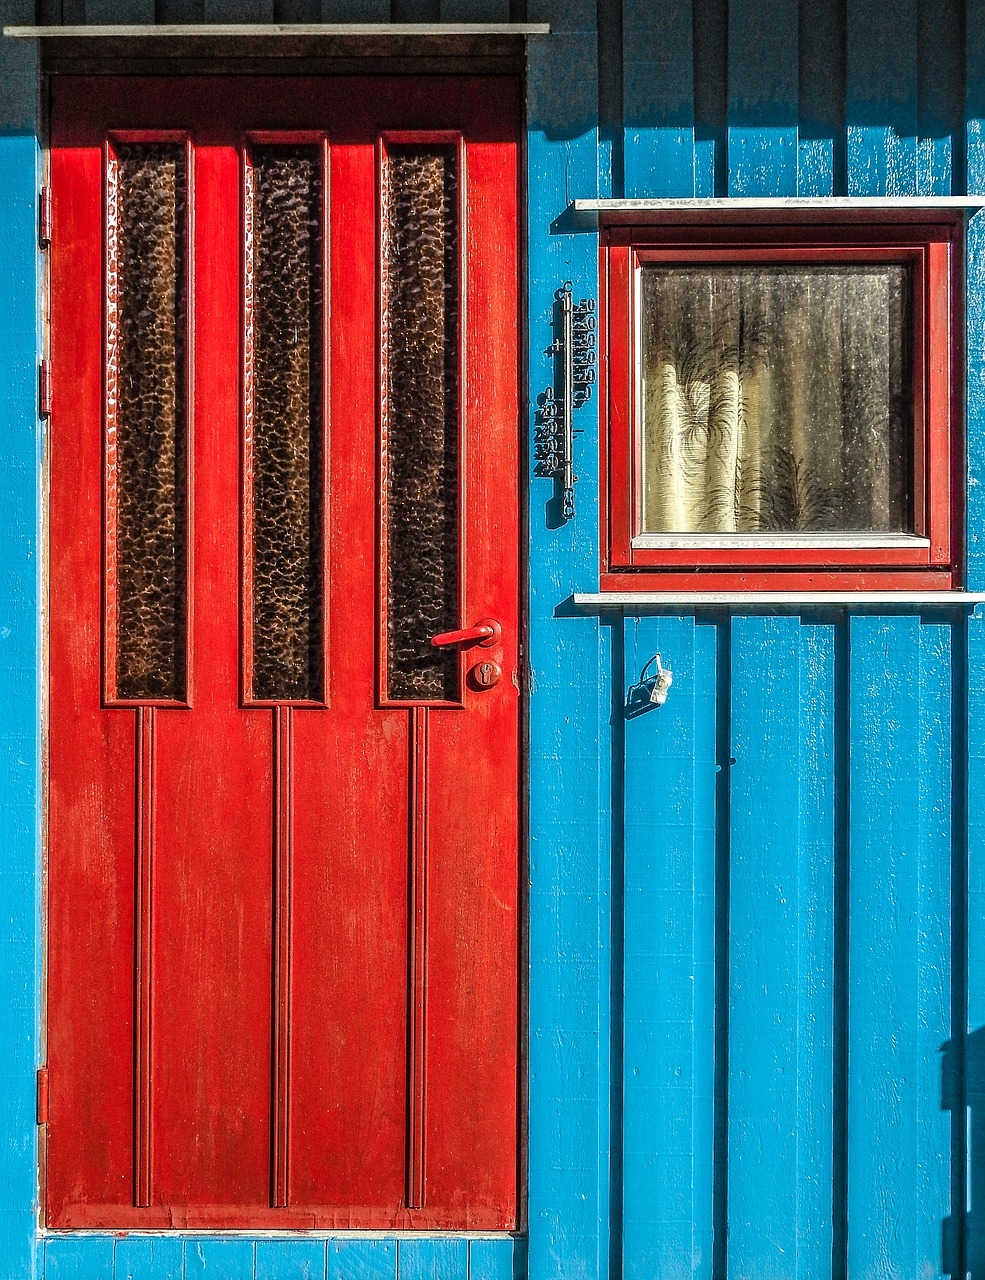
pixel 932 561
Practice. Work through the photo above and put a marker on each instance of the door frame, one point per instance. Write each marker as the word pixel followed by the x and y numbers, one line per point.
pixel 500 58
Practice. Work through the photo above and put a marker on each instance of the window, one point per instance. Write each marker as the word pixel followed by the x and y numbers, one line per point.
pixel 780 401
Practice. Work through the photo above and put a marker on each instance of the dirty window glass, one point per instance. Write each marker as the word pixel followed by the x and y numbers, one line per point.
pixel 777 398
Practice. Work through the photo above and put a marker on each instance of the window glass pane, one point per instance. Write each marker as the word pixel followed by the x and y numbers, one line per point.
pixel 420 299
pixel 777 398
pixel 284 418
pixel 146 416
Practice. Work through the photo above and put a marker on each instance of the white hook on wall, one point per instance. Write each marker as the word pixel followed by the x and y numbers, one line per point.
pixel 661 686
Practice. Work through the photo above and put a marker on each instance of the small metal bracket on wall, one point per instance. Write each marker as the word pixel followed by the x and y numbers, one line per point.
pixel 650 691
pixel 573 350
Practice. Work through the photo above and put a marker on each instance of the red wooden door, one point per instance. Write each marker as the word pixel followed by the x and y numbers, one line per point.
pixel 283 826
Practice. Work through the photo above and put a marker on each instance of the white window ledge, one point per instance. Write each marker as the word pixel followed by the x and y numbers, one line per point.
pixel 643 212
pixel 685 601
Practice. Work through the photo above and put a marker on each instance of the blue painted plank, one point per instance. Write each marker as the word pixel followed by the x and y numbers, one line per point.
pixel 414 10
pixel 821 88
pixel 762 107
pixel 781 956
pixel 291 1260
pixel 434 1259
pixel 19 98
pixel 609 60
pixel 491 1259
pixel 971 1071
pixel 881 98
pixel 658 98
pixel 709 32
pixel 355 10
pixel 297 11
pixel 975 299
pixel 237 11
pixel 169 11
pixel 20 662
pixel 119 11
pixel 940 93
pixel 78 1258
pixel 357 1259
pixel 899 960
pixel 974 1064
pixel 219 1258
pixel 475 10
pixel 144 1257
pixel 669 983
pixel 568 1189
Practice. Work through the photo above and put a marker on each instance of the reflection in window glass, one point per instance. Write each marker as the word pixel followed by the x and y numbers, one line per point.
pixel 777 398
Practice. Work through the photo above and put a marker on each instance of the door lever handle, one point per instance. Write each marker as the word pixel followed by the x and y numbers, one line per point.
pixel 487 632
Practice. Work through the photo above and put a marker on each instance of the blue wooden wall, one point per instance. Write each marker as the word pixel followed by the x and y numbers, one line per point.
pixel 757 915
pixel 758 972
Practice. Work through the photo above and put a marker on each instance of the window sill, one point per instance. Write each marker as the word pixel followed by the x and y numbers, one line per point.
pixel 589 215
pixel 687 601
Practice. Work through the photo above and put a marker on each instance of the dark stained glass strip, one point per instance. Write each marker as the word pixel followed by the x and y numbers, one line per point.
pixel 421 320
pixel 147 416
pixel 285 304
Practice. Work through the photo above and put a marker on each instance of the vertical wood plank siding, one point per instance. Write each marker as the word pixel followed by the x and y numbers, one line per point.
pixel 789 1058
pixel 21 594
pixel 964 1093
pixel 757 914
pixel 669 1095
pixel 781 948
pixel 569 750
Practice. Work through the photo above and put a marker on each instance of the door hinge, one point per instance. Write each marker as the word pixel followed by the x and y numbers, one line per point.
pixel 42 1095
pixel 44 389
pixel 44 218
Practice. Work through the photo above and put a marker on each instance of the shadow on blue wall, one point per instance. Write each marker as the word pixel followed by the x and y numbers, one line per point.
pixel 963 1094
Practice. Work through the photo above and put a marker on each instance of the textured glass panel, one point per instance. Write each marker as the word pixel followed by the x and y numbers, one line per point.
pixel 285 333
pixel 421 338
pixel 147 414
pixel 777 398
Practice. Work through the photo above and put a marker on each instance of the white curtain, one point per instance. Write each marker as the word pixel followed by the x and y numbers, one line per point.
pixel 776 398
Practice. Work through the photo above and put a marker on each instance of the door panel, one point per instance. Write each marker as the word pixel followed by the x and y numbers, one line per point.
pixel 283 934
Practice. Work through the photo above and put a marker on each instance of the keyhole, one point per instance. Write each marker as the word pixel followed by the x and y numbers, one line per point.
pixel 486 674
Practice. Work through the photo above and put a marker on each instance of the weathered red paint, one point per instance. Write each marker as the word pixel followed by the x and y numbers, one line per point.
pixel 282 971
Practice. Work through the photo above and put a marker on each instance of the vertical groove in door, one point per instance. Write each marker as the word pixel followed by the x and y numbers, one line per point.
pixel 283 847
pixel 145 718
pixel 417 936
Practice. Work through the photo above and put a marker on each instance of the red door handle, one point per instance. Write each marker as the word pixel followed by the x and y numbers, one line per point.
pixel 487 632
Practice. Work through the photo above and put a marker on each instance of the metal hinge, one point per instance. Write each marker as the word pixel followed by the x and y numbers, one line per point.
pixel 44 389
pixel 42 1095
pixel 44 218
